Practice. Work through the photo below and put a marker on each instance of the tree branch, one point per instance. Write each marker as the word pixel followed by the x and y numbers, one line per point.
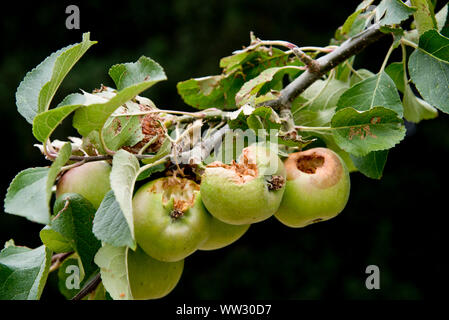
pixel 324 64
pixel 202 149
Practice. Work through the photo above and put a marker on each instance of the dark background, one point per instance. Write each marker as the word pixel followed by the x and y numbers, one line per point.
pixel 395 223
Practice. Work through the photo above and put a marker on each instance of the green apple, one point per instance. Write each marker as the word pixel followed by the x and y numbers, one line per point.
pixel 222 234
pixel 245 192
pixel 91 180
pixel 317 187
pixel 170 221
pixel 150 278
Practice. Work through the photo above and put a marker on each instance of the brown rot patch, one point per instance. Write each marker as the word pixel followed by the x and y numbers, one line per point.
pixel 364 131
pixel 310 163
pixel 276 183
pixel 323 165
pixel 152 130
pixel 182 191
pixel 243 171
pixel 375 120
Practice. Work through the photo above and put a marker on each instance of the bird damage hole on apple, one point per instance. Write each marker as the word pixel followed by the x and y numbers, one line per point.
pixel 310 163
pixel 181 190
pixel 243 171
pixel 151 130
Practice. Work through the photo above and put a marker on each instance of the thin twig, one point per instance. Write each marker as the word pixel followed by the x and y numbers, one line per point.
pixel 88 288
pixel 308 61
pixel 142 113
pixel 57 259
pixel 106 157
pixel 409 43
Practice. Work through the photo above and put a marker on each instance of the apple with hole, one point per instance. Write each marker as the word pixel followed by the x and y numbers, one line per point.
pixel 222 234
pixel 317 188
pixel 246 191
pixel 150 278
pixel 91 180
pixel 170 221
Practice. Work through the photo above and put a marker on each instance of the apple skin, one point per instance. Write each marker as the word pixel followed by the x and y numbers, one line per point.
pixel 150 278
pixel 222 234
pixel 235 202
pixel 159 234
pixel 313 197
pixel 91 180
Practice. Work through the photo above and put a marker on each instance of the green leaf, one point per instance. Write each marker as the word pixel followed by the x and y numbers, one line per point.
pixel 128 74
pixel 113 268
pixel 27 196
pixel 110 225
pixel 240 121
pixel 416 109
pixel 316 106
pixel 321 95
pixel 64 154
pixel 378 90
pixel 164 150
pixel 391 12
pixel 118 131
pixel 121 131
pixel 148 172
pixel 354 24
pixel 372 165
pixel 252 87
pixel 347 26
pixel 206 92
pixel 424 16
pixel 23 272
pixel 435 45
pixel 29 193
pixel 46 122
pixel 265 119
pixel 396 72
pixel 364 4
pixel 93 117
pixel 124 173
pixel 314 118
pixel 73 221
pixel 361 75
pixel 37 89
pixel 55 241
pixel 219 91
pixel 429 69
pixel 359 133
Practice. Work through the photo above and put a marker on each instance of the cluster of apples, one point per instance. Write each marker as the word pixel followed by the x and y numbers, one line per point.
pixel 175 216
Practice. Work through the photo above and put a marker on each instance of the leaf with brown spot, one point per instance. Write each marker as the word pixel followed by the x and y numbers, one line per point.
pixel 360 133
